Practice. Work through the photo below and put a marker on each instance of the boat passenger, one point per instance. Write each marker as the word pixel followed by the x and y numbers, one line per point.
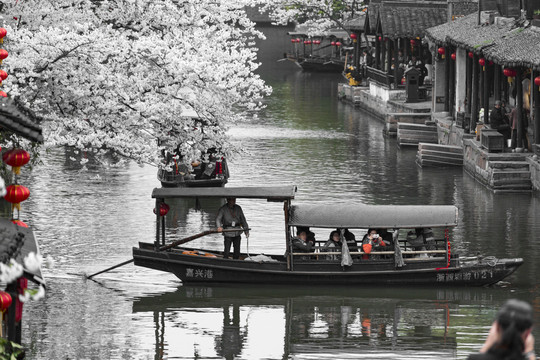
pixel 510 335
pixel 231 215
pixel 310 235
pixel 333 245
pixel 351 239
pixel 300 243
pixel 371 241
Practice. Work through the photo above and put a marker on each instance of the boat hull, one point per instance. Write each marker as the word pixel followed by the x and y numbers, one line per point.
pixel 202 269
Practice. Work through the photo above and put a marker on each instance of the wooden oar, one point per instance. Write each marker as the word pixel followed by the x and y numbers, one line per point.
pixel 168 246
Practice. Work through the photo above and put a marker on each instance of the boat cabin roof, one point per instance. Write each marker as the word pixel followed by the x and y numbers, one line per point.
pixel 271 193
pixel 361 216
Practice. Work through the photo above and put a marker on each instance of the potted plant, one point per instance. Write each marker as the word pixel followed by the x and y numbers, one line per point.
pixel 536 14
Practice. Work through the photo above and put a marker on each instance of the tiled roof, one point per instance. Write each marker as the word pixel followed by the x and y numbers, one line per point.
pixel 410 20
pixel 506 43
pixel 20 120
pixel 357 23
pixel 372 12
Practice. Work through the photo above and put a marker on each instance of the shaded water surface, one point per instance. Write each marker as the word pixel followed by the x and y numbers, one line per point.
pixel 89 218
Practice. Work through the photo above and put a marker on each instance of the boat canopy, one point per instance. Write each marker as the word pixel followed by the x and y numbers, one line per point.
pixel 353 216
pixel 271 193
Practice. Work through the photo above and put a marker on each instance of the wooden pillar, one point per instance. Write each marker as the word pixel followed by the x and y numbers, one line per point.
pixel 536 99
pixel 389 48
pixel 383 55
pixel 377 52
pixel 396 64
pixel 481 88
pixel 468 84
pixel 452 83
pixel 496 82
pixel 447 60
pixel 11 324
pixel 474 93
pixel 407 45
pixel 519 106
pixel 356 57
pixel 486 93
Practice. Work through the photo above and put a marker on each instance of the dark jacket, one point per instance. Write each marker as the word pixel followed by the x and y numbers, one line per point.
pixel 492 354
pixel 498 119
pixel 298 245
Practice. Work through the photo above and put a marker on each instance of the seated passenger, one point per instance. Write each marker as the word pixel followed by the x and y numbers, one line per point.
pixel 387 236
pixel 351 239
pixel 372 241
pixel 417 240
pixel 300 243
pixel 333 245
pixel 310 236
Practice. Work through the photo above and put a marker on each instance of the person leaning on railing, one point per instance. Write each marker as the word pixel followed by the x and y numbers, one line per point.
pixel 510 336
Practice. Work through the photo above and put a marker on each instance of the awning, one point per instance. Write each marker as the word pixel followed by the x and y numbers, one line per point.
pixel 273 193
pixel 353 216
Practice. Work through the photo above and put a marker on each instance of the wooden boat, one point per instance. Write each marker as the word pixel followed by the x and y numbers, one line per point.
pixel 205 174
pixel 401 264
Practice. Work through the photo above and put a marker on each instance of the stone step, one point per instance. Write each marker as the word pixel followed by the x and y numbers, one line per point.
pixel 512 187
pixel 441 154
pixel 439 147
pixel 435 163
pixel 509 165
pixel 412 142
pixel 410 126
pixel 511 175
pixel 416 133
pixel 442 159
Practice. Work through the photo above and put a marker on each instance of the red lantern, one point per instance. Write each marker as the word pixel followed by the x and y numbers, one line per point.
pixel 309 42
pixel 441 51
pixel 453 56
pixel 3 93
pixel 338 43
pixel 509 72
pixel 5 301
pixel 3 54
pixel 3 33
pixel 317 42
pixel 413 42
pixel 3 76
pixel 16 158
pixel 353 36
pixel 333 43
pixel 15 194
pixel 482 62
pixel 297 40
pixel 293 41
pixel 471 54
pixel 19 223
pixel 163 209
pixel 380 38
pixel 537 81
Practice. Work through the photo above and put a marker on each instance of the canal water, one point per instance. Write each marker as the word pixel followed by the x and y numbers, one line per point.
pixel 88 218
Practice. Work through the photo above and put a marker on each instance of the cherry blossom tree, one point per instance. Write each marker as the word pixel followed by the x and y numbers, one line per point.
pixel 116 75
pixel 316 16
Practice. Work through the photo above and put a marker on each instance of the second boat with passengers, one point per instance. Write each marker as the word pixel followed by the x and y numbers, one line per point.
pixel 401 262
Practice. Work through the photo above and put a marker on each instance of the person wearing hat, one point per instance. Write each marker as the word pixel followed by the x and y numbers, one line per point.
pixel 231 215
pixel 498 121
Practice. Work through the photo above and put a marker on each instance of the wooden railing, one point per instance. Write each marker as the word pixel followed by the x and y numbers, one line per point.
pixel 379 76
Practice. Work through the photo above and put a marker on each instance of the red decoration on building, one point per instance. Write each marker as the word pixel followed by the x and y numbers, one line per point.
pixel 353 36
pixel 163 209
pixel 413 42
pixel 333 43
pixel 441 51
pixel 15 194
pixel 471 55
pixel 16 158
pixel 3 54
pixel 293 41
pixel 482 62
pixel 453 56
pixel 297 40
pixel 3 76
pixel 3 93
pixel 22 285
pixel 537 81
pixel 509 72
pixel 19 223
pixel 338 43
pixel 5 301
pixel 380 38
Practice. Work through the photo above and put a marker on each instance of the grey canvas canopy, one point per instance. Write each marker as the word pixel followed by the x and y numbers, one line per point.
pixel 373 216
pixel 272 193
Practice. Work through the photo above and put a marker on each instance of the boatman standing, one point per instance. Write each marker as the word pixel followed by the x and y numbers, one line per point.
pixel 231 215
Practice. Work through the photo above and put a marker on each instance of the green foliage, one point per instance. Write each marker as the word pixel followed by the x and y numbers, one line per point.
pixel 10 350
pixel 537 12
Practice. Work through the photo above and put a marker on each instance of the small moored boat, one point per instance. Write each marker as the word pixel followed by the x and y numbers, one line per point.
pixel 403 262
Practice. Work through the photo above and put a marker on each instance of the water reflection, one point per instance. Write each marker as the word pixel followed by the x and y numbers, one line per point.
pixel 284 322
